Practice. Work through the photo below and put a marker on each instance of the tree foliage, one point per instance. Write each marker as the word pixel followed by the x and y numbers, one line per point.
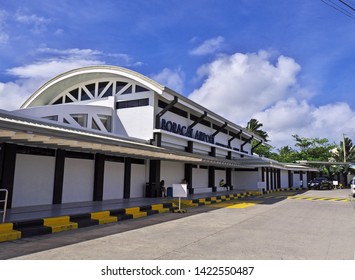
pixel 313 149
pixel 310 149
pixel 255 126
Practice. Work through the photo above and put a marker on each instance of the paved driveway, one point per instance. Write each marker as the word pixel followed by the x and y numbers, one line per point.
pixel 277 226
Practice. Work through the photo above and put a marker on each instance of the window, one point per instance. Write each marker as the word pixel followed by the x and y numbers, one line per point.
pixel 106 121
pixel 174 110
pixel 102 86
pixel 140 89
pixel 68 100
pixel 75 93
pixel 58 101
pixel 132 103
pixel 94 125
pixel 120 86
pixel 51 118
pixel 204 122
pixel 81 119
pixel 91 88
pixel 108 91
pixel 84 96
pixel 216 127
pixel 128 90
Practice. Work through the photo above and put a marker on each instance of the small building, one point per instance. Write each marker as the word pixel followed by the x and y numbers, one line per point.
pixel 103 132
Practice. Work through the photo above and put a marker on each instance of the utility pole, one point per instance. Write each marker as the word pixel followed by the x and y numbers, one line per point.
pixel 344 147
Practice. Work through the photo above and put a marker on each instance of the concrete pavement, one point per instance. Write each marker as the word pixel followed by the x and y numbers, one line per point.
pixel 270 227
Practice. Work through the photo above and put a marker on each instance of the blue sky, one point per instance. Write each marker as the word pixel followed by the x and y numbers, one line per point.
pixel 290 64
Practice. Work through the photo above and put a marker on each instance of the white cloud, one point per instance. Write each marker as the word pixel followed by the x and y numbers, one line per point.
pixel 11 95
pixel 173 79
pixel 208 47
pixel 244 86
pixel 53 62
pixel 30 77
pixel 49 68
pixel 38 23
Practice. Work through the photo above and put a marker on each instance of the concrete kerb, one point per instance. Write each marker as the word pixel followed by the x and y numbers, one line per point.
pixel 21 229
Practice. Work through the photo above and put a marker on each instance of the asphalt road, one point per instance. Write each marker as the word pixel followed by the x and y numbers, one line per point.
pixel 312 225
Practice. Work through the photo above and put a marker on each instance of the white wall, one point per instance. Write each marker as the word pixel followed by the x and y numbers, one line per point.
pixel 137 121
pixel 199 178
pixel 78 182
pixel 34 179
pixel 113 180
pixel 284 179
pixel 138 180
pixel 173 141
pixel 219 175
pixel 296 180
pixel 246 180
pixel 172 172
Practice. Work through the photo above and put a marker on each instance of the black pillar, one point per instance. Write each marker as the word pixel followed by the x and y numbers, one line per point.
pixel 267 179
pixel 229 156
pixel 188 177
pixel 127 178
pixel 290 179
pixel 190 147
pixel 229 176
pixel 152 189
pixel 271 178
pixel 99 177
pixel 7 171
pixel 279 179
pixel 212 153
pixel 58 176
pixel 211 178
pixel 262 174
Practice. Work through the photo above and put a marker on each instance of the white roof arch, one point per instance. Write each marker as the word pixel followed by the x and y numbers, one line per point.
pixel 46 93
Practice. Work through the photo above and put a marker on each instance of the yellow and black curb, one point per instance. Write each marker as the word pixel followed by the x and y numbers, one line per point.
pixel 21 229
pixel 216 199
pixel 285 190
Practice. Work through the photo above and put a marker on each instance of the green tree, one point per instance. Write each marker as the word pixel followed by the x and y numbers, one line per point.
pixel 338 155
pixel 255 126
pixel 287 154
pixel 313 149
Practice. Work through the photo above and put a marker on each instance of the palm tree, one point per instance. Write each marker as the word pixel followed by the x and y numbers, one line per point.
pixel 255 126
pixel 339 155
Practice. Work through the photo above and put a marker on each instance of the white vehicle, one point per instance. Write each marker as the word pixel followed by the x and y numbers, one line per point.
pixel 352 186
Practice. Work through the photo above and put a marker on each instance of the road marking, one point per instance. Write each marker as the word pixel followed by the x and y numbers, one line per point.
pixel 234 205
pixel 314 198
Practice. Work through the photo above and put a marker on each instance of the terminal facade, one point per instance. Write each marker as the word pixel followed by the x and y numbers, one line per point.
pixel 104 132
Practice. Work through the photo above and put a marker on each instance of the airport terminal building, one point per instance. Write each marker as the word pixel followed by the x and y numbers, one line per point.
pixel 104 132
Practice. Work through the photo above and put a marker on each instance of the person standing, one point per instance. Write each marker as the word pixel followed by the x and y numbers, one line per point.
pixel 162 188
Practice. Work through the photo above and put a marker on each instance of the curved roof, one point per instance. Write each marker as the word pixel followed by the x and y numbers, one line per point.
pixel 53 87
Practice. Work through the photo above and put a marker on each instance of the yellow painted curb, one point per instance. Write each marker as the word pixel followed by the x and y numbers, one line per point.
pixel 160 208
pixel 59 224
pixel 7 233
pixel 103 217
pixel 135 212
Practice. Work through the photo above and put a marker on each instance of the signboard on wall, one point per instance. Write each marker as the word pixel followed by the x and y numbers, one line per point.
pixel 186 131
